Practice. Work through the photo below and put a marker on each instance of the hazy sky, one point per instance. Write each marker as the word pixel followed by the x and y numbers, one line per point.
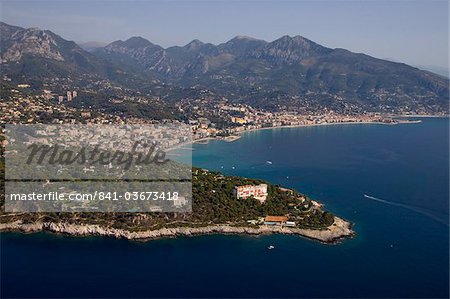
pixel 414 32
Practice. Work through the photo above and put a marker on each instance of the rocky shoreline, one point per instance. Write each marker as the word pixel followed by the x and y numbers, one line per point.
pixel 339 230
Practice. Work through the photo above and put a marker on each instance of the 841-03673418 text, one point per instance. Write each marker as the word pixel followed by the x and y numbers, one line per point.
pixel 97 195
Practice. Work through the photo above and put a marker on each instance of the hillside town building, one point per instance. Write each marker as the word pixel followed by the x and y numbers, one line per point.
pixel 259 192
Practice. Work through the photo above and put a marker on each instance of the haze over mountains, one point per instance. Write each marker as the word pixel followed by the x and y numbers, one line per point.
pixel 290 71
pixel 91 45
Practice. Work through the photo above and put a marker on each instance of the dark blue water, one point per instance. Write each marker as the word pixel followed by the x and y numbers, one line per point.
pixel 401 248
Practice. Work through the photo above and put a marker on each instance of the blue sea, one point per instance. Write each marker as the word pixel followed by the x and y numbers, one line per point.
pixel 401 247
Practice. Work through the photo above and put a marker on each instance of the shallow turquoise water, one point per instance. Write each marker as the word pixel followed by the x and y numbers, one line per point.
pixel 401 247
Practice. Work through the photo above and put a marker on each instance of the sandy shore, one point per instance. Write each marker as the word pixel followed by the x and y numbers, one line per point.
pixel 207 139
pixel 420 116
pixel 339 230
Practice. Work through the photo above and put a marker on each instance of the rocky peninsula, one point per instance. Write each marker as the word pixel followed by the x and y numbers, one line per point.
pixel 218 207
pixel 338 230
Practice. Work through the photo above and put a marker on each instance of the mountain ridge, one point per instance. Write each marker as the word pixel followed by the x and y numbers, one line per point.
pixel 293 71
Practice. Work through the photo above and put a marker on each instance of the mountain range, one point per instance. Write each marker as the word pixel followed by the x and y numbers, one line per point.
pixel 289 71
pixel 44 52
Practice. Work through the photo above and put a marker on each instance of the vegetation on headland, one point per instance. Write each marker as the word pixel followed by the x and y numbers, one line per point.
pixel 213 204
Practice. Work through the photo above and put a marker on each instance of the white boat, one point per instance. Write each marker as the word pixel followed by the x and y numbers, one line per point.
pixel 271 247
pixel 269 162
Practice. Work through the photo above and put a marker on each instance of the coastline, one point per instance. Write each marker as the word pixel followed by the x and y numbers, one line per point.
pixel 421 116
pixel 339 230
pixel 237 135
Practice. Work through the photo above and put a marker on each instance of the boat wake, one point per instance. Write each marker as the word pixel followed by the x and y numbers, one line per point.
pixel 409 207
pixel 264 164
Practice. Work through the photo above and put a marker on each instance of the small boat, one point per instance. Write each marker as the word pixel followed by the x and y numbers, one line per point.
pixel 269 162
pixel 271 247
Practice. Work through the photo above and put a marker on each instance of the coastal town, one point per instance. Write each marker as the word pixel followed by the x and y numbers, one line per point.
pixel 221 120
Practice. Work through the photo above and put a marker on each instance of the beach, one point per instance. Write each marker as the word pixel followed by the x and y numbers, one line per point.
pixel 238 134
